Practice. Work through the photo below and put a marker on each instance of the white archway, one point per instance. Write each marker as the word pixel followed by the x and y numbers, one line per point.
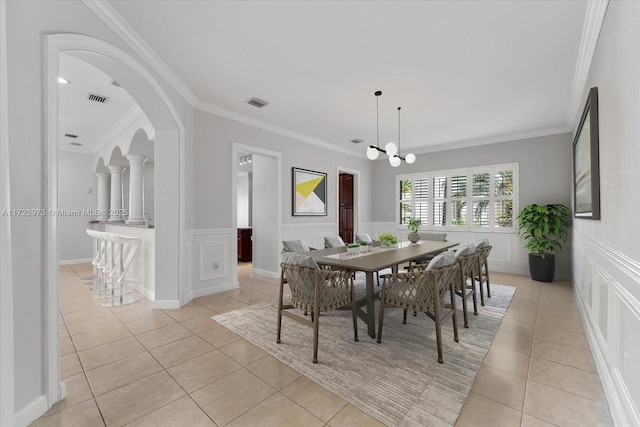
pixel 170 165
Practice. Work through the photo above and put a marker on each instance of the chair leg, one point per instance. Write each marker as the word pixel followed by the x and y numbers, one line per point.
pixel 280 306
pixel 404 317
pixel 486 271
pixel 381 318
pixel 454 316
pixel 473 294
pixel 315 315
pixel 378 277
pixel 463 286
pixel 438 319
pixel 354 314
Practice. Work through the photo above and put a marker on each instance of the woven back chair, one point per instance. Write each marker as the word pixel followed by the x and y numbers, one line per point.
pixel 482 270
pixel 465 286
pixel 421 290
pixel 316 290
pixel 431 237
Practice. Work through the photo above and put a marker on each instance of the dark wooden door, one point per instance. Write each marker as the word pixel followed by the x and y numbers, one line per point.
pixel 345 207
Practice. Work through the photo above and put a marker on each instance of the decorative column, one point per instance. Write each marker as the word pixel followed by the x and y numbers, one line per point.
pixel 115 210
pixel 136 189
pixel 103 196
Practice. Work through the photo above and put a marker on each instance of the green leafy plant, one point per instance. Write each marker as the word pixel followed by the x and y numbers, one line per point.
pixel 388 239
pixel 414 225
pixel 544 228
pixel 353 245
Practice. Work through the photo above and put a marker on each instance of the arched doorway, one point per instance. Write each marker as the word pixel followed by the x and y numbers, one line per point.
pixel 170 177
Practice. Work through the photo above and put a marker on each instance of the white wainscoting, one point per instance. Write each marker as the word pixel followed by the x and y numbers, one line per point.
pixel 607 288
pixel 209 257
pixel 507 253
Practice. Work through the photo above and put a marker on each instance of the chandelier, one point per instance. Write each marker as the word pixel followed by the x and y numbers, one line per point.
pixel 391 150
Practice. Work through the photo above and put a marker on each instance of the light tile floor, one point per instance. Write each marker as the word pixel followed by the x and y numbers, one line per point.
pixel 135 365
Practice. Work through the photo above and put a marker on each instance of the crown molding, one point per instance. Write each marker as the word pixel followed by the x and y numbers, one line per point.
pixel 493 140
pixel 593 21
pixel 119 25
pixel 117 128
pixel 241 118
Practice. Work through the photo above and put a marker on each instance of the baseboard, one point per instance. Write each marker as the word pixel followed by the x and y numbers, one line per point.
pixel 214 289
pixel 265 273
pixel 166 304
pixel 139 287
pixel 31 412
pixel 75 261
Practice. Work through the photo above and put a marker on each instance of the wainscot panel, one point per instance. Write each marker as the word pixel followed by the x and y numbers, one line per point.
pixel 607 286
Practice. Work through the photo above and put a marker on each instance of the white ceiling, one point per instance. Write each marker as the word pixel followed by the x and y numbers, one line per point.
pixel 462 71
pixel 94 123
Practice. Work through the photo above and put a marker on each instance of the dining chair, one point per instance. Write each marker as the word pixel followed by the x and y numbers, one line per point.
pixel 314 290
pixel 423 290
pixel 297 246
pixel 364 237
pixel 334 242
pixel 483 248
pixel 467 261
pixel 429 236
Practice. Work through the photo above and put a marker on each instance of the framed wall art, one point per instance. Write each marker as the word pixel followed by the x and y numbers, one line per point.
pixel 586 162
pixel 309 192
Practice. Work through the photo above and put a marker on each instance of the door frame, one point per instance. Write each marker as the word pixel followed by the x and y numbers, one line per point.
pixel 356 197
pixel 235 148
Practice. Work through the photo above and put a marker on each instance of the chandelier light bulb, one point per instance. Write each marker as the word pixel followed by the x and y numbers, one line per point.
pixel 410 158
pixel 394 161
pixel 372 153
pixel 391 149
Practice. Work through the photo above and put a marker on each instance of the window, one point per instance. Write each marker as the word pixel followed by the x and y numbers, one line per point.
pixel 479 198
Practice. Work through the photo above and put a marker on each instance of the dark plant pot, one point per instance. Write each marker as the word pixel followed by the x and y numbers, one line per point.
pixel 542 269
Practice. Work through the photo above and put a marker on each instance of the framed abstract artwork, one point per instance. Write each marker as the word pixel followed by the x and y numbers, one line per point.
pixel 586 162
pixel 309 192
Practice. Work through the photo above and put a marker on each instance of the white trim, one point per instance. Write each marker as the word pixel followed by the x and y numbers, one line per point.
pixel 117 128
pixel 53 46
pixel 207 231
pixel 166 304
pixel 213 290
pixel 333 225
pixel 51 346
pixel 593 21
pixel 265 273
pixel 453 145
pixel 121 27
pixel 241 118
pixel 75 261
pixel 235 147
pixel 31 412
pixel 7 372
pixel 223 270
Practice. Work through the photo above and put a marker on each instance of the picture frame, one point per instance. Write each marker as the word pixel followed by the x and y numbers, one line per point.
pixel 586 162
pixel 308 192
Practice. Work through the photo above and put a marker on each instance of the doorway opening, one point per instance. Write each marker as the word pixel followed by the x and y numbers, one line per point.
pixel 348 192
pixel 256 209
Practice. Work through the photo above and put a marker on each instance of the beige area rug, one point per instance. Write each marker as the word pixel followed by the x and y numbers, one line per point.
pixel 398 381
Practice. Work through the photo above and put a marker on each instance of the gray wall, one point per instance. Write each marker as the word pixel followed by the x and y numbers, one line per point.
pixel 74 178
pixel 212 170
pixel 545 170
pixel 27 23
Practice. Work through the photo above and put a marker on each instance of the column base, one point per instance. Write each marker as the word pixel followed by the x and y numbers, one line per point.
pixel 116 220
pixel 136 221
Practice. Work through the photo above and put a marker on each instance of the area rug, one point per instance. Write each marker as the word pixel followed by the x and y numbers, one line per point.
pixel 398 381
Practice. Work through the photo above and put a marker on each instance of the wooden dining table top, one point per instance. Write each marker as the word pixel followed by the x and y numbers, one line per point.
pixel 380 257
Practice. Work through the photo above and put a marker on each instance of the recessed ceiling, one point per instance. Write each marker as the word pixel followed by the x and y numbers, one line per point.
pixel 92 122
pixel 460 70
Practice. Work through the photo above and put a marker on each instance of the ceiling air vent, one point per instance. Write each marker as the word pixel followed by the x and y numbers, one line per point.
pixel 77 144
pixel 257 102
pixel 70 135
pixel 357 140
pixel 97 98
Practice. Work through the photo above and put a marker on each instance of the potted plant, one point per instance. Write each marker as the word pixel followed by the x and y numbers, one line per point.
pixel 544 229
pixel 414 226
pixel 387 239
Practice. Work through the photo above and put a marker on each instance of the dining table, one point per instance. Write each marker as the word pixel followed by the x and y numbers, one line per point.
pixel 376 258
